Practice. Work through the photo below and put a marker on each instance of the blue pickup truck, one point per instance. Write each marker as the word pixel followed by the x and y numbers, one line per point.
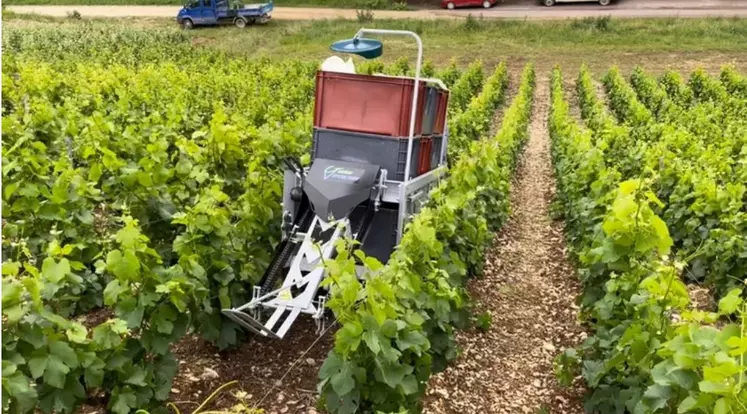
pixel 214 12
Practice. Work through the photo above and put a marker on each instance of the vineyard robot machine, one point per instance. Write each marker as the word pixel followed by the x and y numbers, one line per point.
pixel 379 147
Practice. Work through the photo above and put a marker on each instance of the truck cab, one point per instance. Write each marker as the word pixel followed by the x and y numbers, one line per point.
pixel 214 12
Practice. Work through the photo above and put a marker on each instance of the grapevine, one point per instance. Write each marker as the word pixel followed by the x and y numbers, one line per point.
pixel 640 357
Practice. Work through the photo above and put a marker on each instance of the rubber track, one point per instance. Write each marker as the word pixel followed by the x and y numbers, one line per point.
pixel 276 267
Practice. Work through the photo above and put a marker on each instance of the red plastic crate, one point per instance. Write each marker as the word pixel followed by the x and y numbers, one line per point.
pixel 424 158
pixel 443 104
pixel 365 103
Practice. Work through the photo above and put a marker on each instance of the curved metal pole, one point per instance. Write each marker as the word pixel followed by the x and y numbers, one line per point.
pixel 413 116
pixel 413 112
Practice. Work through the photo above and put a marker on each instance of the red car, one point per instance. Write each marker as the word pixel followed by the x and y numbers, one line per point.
pixel 453 4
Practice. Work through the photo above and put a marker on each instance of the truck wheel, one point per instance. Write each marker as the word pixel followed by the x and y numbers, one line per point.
pixel 187 24
pixel 240 22
pixel 450 5
pixel 486 4
pixel 604 2
pixel 549 3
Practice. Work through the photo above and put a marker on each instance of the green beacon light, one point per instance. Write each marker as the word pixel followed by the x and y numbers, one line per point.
pixel 366 48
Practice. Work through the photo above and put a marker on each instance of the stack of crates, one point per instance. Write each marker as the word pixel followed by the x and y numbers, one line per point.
pixel 366 118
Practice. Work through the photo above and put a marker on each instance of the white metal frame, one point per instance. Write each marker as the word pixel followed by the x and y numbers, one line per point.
pixel 310 258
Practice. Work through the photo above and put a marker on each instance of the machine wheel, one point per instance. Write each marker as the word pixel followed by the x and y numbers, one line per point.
pixel 450 5
pixel 605 2
pixel 549 3
pixel 486 4
pixel 187 24
pixel 240 22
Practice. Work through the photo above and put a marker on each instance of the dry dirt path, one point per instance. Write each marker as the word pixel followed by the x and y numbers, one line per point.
pixel 529 10
pixel 529 288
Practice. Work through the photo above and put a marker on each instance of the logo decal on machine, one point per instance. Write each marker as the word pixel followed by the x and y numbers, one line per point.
pixel 342 174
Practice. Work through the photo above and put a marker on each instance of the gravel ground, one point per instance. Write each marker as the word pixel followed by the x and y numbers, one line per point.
pixel 529 288
pixel 279 377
